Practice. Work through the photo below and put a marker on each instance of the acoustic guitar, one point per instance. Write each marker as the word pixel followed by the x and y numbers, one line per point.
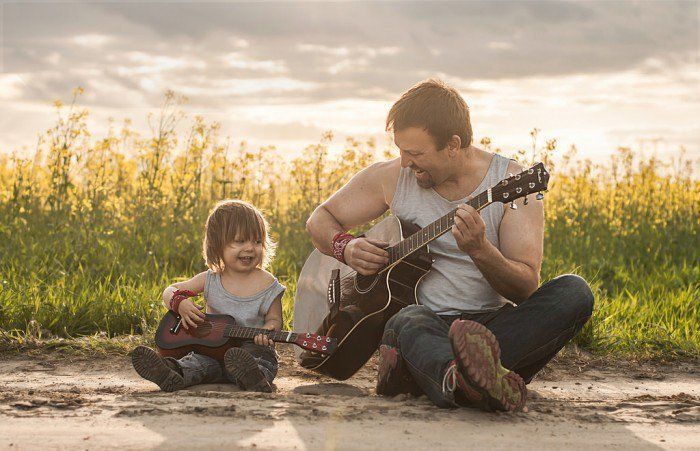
pixel 335 301
pixel 218 333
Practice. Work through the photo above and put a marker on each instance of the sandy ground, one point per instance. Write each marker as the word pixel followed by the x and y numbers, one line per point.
pixel 53 401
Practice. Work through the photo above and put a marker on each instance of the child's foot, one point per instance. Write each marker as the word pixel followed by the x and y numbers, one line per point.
pixel 157 369
pixel 241 365
pixel 478 371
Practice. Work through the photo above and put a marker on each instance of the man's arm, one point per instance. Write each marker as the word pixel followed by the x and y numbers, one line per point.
pixel 514 270
pixel 361 200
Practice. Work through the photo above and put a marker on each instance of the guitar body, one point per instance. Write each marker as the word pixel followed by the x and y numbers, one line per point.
pixel 218 333
pixel 208 338
pixel 366 302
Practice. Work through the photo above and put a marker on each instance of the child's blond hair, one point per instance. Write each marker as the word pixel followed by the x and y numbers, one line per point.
pixel 231 219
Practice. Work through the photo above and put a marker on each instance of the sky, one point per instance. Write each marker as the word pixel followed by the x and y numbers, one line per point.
pixel 595 74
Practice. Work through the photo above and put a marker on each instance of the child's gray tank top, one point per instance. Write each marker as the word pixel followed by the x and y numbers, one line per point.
pixel 248 311
pixel 454 284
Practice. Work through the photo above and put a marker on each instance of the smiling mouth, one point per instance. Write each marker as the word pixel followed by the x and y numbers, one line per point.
pixel 246 259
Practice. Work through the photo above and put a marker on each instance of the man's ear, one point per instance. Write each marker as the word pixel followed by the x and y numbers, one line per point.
pixel 453 145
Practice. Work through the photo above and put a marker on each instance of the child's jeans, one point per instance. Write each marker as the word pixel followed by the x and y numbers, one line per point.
pixel 202 369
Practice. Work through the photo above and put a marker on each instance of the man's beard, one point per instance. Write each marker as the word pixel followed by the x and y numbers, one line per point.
pixel 426 183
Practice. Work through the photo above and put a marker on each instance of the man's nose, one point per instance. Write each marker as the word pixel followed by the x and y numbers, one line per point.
pixel 405 162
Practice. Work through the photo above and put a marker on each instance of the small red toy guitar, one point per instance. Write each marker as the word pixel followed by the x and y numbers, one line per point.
pixel 218 333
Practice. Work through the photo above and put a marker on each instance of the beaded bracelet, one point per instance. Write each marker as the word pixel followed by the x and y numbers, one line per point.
pixel 340 240
pixel 178 297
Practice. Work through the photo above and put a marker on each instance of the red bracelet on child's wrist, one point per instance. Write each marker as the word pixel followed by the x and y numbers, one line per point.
pixel 178 297
pixel 340 240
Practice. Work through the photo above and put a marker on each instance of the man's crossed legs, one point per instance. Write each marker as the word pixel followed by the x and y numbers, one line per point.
pixel 483 358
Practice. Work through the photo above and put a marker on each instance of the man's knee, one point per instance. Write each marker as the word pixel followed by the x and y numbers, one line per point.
pixel 407 315
pixel 577 294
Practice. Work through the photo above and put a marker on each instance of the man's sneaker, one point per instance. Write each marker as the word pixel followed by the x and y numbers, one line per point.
pixel 478 372
pixel 393 378
pixel 241 365
pixel 157 369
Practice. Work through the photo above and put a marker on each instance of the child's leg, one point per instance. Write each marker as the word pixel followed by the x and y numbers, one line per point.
pixel 265 357
pixel 162 371
pixel 200 369
pixel 251 371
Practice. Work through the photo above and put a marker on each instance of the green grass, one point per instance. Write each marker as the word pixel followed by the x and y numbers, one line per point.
pixel 90 234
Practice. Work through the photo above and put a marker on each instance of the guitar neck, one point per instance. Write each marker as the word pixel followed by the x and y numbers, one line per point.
pixel 250 332
pixel 434 230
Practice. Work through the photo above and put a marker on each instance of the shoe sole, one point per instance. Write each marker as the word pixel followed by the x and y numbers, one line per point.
pixel 388 361
pixel 242 366
pixel 478 358
pixel 150 365
pixel 392 376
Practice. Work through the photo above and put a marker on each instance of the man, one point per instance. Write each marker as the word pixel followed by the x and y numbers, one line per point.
pixel 483 328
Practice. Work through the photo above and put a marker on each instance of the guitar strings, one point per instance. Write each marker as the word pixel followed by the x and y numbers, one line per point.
pixel 216 326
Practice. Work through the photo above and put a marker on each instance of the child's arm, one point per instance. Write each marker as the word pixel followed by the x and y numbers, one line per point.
pixel 195 284
pixel 273 321
pixel 190 313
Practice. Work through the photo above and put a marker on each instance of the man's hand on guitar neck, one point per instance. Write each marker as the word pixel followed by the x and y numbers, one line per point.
pixel 366 255
pixel 469 229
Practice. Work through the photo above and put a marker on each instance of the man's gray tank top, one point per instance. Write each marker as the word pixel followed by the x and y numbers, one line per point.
pixel 248 311
pixel 454 284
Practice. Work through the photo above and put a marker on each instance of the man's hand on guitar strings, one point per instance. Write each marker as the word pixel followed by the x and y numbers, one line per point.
pixel 366 255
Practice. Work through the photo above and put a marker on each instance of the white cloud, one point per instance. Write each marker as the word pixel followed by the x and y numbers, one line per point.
pixel 238 60
pixel 145 63
pixel 53 58
pixel 245 86
pixel 91 40
pixel 595 73
pixel 239 43
pixel 369 52
pixel 11 86
pixel 500 45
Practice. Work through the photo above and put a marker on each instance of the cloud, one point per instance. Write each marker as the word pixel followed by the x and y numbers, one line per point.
pixel 91 40
pixel 340 65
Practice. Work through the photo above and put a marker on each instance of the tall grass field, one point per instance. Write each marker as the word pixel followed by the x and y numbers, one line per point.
pixel 93 228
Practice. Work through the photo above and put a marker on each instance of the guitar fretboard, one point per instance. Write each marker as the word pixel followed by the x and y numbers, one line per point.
pixel 432 231
pixel 251 332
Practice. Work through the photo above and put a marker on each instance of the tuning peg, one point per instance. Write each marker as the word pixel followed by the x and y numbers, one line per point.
pixel 539 196
pixel 513 206
pixel 525 201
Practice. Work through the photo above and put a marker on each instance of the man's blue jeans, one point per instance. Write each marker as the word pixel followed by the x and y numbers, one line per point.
pixel 529 335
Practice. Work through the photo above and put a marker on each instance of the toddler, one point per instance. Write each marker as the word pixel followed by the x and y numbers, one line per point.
pixel 237 247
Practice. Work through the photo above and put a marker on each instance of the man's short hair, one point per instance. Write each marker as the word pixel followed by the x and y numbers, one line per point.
pixel 435 107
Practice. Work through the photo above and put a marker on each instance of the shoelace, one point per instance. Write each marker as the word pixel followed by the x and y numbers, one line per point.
pixel 449 380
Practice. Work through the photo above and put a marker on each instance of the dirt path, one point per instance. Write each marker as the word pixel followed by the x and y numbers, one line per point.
pixel 62 402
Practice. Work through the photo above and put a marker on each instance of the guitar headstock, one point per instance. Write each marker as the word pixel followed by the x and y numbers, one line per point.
pixel 533 180
pixel 316 343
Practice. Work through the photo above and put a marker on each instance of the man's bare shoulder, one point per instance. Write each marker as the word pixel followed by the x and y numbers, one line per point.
pixel 387 173
pixel 386 168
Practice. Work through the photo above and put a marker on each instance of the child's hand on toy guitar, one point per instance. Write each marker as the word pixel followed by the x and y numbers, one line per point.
pixel 262 339
pixel 191 314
